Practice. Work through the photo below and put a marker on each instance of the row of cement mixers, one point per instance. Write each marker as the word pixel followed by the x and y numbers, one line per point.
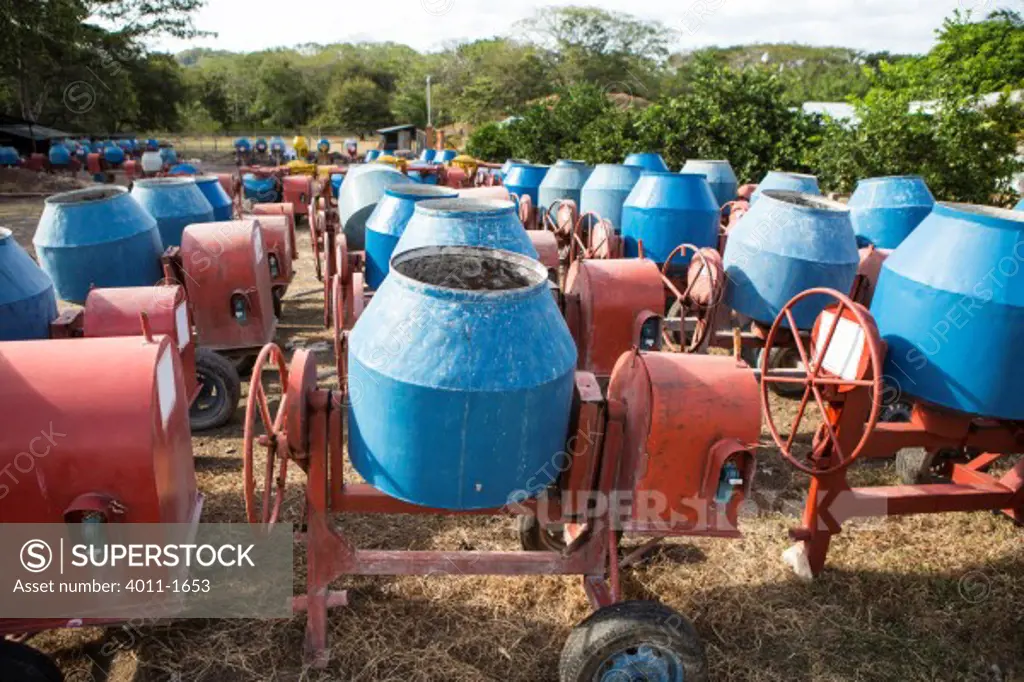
pixel 170 250
pixel 474 378
pixel 469 369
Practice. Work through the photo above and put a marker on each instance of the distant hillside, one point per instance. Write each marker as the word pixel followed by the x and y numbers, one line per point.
pixel 809 73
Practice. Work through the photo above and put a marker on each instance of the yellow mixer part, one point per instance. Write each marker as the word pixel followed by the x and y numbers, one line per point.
pixel 466 163
pixel 301 146
pixel 400 164
pixel 301 167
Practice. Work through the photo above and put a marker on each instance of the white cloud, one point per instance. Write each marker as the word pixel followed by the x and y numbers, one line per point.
pixel 904 26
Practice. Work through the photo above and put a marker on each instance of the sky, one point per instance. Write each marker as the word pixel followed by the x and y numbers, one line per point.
pixel 903 26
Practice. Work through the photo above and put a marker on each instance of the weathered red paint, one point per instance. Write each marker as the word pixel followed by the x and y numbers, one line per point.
pixel 223 263
pixel 610 295
pixel 286 209
pixel 297 191
pixel 547 247
pixel 87 434
pixel 116 312
pixel 277 241
pixel 849 407
pixel 680 407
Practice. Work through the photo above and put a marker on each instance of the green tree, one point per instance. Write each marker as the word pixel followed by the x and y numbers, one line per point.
pixel 358 105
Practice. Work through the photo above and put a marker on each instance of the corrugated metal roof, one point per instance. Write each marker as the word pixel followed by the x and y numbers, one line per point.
pixel 395 129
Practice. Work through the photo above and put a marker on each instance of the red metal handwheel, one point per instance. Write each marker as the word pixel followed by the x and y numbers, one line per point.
pixel 274 439
pixel 705 278
pixel 819 381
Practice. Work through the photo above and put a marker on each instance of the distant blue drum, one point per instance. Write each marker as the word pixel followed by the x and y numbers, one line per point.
pixel 386 224
pixel 487 223
pixel 885 210
pixel 606 190
pixel 175 203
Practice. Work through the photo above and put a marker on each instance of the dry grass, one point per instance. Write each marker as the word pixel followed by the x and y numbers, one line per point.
pixel 925 598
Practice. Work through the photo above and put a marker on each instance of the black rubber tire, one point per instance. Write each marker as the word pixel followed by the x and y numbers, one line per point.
pixel 277 295
pixel 219 374
pixel 244 365
pixel 913 465
pixel 916 465
pixel 21 663
pixel 534 538
pixel 781 358
pixel 626 625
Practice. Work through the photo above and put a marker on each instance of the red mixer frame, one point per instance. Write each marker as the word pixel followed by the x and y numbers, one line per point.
pixel 309 430
pixel 849 403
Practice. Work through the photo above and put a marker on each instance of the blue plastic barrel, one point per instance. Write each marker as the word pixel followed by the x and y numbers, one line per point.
pixel 428 155
pixel 27 300
pixel 719 174
pixel 487 223
pixel 949 304
pixel 564 181
pixel 183 169
pixel 463 412
pixel 665 210
pixel 168 155
pixel 324 145
pixel 372 155
pixel 243 145
pixel 113 155
pixel 175 203
pixel 508 164
pixel 211 188
pixel 606 190
pixel 787 243
pixel 525 179
pixel 649 161
pixel 364 186
pixel 59 155
pixel 9 156
pixel 262 190
pixel 98 236
pixel 261 145
pixel 885 210
pixel 791 182
pixel 336 180
pixel 445 155
pixel 277 145
pixel 386 224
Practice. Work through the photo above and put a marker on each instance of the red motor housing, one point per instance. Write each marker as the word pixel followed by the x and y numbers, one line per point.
pixel 285 209
pixel 228 283
pixel 117 311
pixel 297 190
pixel 93 424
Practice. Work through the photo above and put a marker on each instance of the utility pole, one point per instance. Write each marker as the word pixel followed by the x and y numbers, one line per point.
pixel 430 119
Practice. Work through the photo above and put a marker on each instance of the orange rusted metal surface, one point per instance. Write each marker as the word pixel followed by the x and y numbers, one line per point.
pixel 611 294
pixel 679 409
pixel 228 283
